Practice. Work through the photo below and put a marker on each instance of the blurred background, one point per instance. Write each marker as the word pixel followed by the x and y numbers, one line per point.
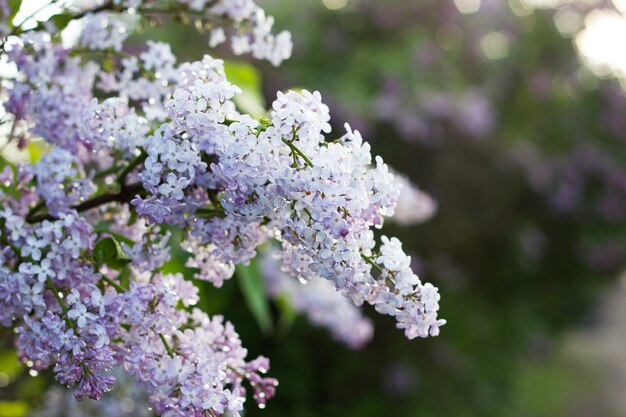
pixel 512 115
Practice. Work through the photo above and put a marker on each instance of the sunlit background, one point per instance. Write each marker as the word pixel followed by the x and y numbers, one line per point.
pixel 512 115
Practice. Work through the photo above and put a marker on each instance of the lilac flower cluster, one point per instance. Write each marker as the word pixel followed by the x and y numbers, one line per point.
pixel 69 323
pixel 281 178
pixel 136 146
pixel 188 362
pixel 63 329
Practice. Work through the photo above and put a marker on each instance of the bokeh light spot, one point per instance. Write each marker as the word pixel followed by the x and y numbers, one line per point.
pixel 335 4
pixel 495 45
pixel 601 43
pixel 568 21
pixel 467 6
pixel 449 36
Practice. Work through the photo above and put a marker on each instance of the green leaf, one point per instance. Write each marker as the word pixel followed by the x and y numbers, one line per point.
pixel 103 227
pixel 124 277
pixel 13 408
pixel 120 237
pixel 133 218
pixel 4 162
pixel 246 77
pixel 9 363
pixel 251 284
pixel 179 256
pixel 61 20
pixel 108 65
pixel 36 149
pixel 109 252
pixel 10 190
pixel 287 314
pixel 14 5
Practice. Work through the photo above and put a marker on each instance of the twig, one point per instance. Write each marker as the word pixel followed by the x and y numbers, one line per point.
pixel 127 193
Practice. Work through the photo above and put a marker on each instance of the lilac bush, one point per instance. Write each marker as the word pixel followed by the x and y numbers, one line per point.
pixel 138 145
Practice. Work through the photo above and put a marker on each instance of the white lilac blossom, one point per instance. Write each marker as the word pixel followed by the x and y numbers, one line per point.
pixel 319 301
pixel 139 147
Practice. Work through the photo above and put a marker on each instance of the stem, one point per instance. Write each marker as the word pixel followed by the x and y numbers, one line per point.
pixel 16 251
pixel 127 193
pixel 209 212
pixel 106 6
pixel 64 308
pixel 119 288
pixel 179 10
pixel 108 51
pixel 56 291
pixel 11 133
pixel 13 124
pixel 67 320
pixel 104 173
pixel 121 178
pixel 389 278
pixel 35 209
pixel 295 150
pixel 370 261
pixel 114 284
pixel 33 14
pixel 213 197
pixel 168 348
